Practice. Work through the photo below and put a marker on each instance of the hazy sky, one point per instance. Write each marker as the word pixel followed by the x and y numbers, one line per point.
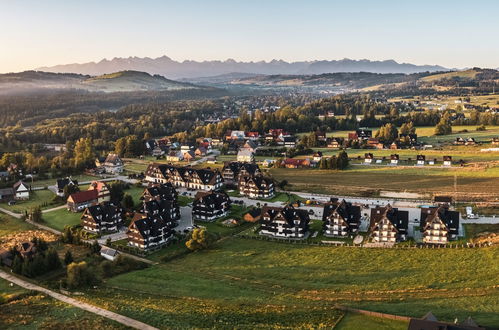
pixel 450 33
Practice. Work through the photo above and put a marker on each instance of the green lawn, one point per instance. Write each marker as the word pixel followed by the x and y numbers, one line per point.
pixel 135 192
pixel 184 200
pixel 248 283
pixel 354 321
pixel 43 198
pixel 60 218
pixel 28 310
pixel 10 225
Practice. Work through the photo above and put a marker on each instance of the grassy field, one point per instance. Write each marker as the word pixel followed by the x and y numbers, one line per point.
pixel 43 198
pixel 10 225
pixel 358 179
pixel 354 321
pixel 28 310
pixel 60 218
pixel 257 284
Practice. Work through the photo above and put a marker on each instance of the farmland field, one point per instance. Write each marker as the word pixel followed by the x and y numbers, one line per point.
pixel 257 284
pixel 362 178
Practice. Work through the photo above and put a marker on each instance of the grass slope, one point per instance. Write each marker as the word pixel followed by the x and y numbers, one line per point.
pixel 254 284
pixel 22 309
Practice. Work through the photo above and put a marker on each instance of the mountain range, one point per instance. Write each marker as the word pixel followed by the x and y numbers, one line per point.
pixel 172 69
pixel 122 81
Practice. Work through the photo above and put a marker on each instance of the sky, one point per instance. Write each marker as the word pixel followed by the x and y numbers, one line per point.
pixel 454 34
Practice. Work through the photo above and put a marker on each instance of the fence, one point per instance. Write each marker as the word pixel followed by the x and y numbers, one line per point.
pixel 345 244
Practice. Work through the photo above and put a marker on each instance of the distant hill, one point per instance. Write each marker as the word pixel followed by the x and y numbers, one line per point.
pixel 124 81
pixel 167 67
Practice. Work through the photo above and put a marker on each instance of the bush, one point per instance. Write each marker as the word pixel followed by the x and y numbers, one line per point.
pixel 200 239
pixel 80 275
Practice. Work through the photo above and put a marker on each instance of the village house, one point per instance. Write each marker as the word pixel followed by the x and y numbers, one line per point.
pixel 186 177
pixel 320 136
pixel 201 152
pixel 373 143
pixel 388 224
pixel 109 254
pixel 317 156
pixel 252 136
pixel 287 141
pixel 159 191
pixel 447 161
pixel 6 194
pixel 470 142
pixel 105 217
pixel 439 224
pixel 420 159
pixel 430 322
pixel 168 210
pixel 209 206
pixel 340 219
pixel 250 145
pixel 256 186
pixel 296 163
pixel 81 200
pixel 459 141
pixel 360 134
pixel 368 158
pixel 253 215
pixel 394 159
pixel 274 134
pixel 175 156
pixel 334 143
pixel 245 155
pixel 21 190
pixel 62 183
pixel 284 222
pixel 103 193
pixel 394 146
pixel 234 135
pixel 495 141
pixel 189 156
pixel 232 170
pixel 113 164
pixel 149 232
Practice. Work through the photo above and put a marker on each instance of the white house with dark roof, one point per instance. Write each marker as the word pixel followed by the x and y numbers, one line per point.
pixel 113 164
pixel 21 190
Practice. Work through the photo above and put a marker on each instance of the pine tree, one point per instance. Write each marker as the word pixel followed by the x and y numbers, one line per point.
pixel 68 257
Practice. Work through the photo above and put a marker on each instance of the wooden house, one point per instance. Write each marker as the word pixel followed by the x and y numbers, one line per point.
pixel 420 159
pixel 103 192
pixel 256 186
pixel 447 161
pixel 388 224
pixel 340 219
pixel 113 164
pixel 209 206
pixel 79 201
pixel 232 170
pixel 284 222
pixel 149 232
pixel 296 163
pixel 189 156
pixel 335 143
pixel 21 190
pixel 105 217
pixel 394 159
pixel 439 224
pixel 368 158
pixel 62 183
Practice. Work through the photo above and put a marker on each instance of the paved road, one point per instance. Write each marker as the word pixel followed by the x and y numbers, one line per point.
pixel 129 322
pixel 185 219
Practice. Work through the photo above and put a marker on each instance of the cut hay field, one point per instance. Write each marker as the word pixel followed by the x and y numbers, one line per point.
pixel 362 178
pixel 257 284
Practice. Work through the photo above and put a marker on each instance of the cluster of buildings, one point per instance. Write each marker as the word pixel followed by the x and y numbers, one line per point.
pixel 438 224
pixel 394 159
pixel 184 176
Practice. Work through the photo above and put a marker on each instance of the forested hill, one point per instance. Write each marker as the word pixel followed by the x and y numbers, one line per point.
pixel 124 81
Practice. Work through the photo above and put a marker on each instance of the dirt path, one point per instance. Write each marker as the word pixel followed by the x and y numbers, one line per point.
pixel 90 308
pixel 12 214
